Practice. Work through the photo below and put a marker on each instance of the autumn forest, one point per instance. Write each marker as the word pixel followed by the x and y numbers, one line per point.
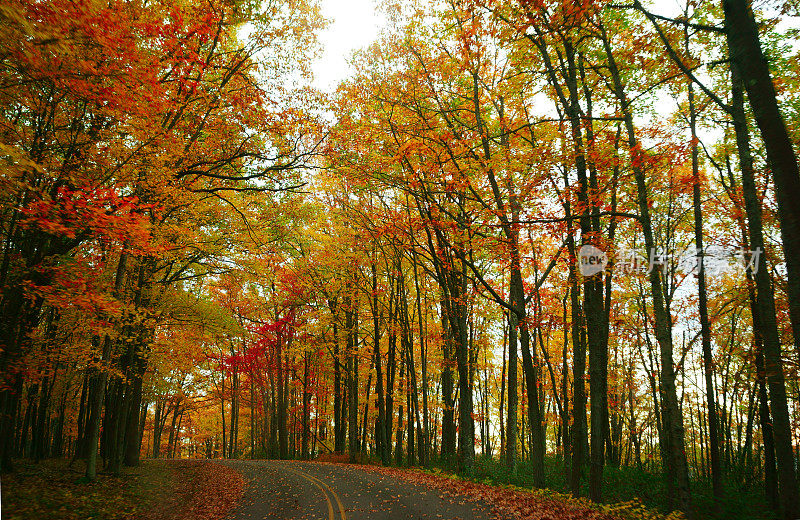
pixel 553 243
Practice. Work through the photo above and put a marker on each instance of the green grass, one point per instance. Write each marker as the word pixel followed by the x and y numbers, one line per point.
pixel 625 484
pixel 155 490
pixel 54 490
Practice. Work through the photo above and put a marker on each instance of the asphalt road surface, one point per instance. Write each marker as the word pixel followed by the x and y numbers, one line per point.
pixel 307 490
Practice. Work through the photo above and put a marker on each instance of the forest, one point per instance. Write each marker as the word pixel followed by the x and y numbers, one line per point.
pixel 551 242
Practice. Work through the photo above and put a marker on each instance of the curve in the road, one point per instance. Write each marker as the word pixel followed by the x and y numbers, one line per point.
pixel 280 490
pixel 325 488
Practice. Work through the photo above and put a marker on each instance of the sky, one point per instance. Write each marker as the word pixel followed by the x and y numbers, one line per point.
pixel 354 24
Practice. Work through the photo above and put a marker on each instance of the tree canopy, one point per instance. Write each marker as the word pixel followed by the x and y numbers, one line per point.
pixel 557 237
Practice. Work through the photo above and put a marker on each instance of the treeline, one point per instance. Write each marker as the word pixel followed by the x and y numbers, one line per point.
pixel 552 234
pixel 475 155
pixel 494 142
pixel 128 130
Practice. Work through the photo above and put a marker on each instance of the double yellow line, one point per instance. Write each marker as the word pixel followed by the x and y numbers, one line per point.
pixel 325 488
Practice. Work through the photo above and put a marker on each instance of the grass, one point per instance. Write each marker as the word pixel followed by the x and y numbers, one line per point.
pixel 627 484
pixel 156 490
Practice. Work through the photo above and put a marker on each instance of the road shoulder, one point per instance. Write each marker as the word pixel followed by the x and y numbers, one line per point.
pixel 155 490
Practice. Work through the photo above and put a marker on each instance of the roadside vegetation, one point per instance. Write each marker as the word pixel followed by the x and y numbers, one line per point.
pixel 547 243
pixel 155 490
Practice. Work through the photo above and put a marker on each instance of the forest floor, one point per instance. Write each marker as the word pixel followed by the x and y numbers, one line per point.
pixel 156 490
pixel 260 489
pixel 510 502
pixel 631 492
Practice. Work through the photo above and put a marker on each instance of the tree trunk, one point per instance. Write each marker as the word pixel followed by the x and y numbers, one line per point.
pixel 381 441
pixel 702 303
pixel 765 301
pixel 448 412
pixel 677 470
pixel 283 433
pixel 306 419
pixel 458 316
pixel 351 324
pixel 744 48
pixel 338 416
pixel 511 414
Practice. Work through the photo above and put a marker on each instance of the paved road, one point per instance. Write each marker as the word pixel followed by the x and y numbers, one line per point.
pixel 307 490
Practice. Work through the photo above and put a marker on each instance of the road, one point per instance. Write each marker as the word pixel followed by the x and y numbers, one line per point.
pixel 278 490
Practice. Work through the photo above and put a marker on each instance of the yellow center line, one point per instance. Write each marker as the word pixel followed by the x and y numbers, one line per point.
pixel 323 486
pixel 339 502
pixel 328 500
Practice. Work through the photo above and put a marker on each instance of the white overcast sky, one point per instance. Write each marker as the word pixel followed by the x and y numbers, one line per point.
pixel 354 24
